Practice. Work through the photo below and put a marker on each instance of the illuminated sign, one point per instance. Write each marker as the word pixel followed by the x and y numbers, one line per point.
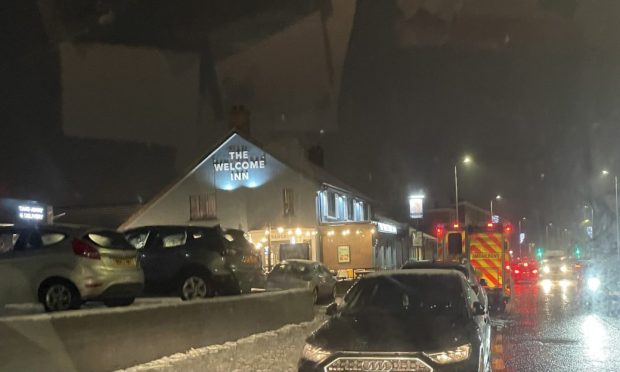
pixel 386 228
pixel 589 231
pixel 31 213
pixel 239 163
pixel 521 238
pixel 495 218
pixel 416 206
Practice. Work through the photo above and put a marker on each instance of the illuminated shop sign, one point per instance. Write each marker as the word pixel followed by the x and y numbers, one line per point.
pixel 238 163
pixel 386 228
pixel 31 212
pixel 416 206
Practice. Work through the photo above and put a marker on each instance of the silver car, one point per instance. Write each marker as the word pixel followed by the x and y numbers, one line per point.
pixel 296 273
pixel 62 266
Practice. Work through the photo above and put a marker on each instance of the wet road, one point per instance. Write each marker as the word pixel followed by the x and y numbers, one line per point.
pixel 547 330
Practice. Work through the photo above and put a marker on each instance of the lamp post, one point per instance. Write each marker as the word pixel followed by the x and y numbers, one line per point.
pixel 520 243
pixel 466 160
pixel 497 197
pixel 605 173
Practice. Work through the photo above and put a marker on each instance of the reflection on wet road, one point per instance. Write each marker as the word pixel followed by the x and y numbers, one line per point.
pixel 546 329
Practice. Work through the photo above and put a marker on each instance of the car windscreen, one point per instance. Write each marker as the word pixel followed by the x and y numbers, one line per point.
pixel 109 239
pixel 423 296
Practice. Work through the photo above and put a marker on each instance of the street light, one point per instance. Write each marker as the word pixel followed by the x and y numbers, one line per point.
pixel 466 160
pixel 520 242
pixel 605 173
pixel 497 197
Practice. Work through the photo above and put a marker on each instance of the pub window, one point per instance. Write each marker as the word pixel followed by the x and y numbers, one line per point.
pixel 288 202
pixel 331 204
pixel 202 207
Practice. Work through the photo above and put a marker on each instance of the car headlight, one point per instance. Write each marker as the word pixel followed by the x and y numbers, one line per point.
pixel 593 284
pixel 314 353
pixel 563 268
pixel 546 269
pixel 455 355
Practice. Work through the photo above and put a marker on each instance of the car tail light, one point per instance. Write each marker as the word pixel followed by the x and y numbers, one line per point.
pixel 81 248
pixel 516 271
pixel 535 271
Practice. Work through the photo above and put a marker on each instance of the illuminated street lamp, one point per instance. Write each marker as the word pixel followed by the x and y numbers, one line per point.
pixel 605 173
pixel 466 160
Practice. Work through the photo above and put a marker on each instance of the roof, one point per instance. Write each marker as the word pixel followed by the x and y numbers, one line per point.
pixel 414 272
pixel 302 166
pixel 422 265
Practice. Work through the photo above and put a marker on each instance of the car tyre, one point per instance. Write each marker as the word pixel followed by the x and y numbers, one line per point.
pixel 118 302
pixel 194 286
pixel 59 295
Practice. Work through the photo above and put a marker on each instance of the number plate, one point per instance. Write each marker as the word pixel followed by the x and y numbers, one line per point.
pixel 124 262
pixel 250 260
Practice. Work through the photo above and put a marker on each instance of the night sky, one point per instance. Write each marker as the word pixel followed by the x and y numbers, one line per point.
pixel 530 91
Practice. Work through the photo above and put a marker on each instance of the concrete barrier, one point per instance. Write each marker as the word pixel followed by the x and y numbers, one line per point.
pixel 110 339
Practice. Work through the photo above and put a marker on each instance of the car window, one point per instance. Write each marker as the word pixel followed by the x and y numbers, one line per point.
pixel 300 269
pixel 138 239
pixel 175 239
pixel 109 239
pixel 8 240
pixel 51 238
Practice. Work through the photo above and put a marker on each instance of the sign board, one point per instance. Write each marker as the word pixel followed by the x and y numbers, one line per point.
pixel 589 231
pixel 386 228
pixel 521 238
pixel 344 254
pixel 416 206
pixel 495 218
pixel 31 212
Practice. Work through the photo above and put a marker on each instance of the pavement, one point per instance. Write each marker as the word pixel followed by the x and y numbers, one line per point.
pixel 546 329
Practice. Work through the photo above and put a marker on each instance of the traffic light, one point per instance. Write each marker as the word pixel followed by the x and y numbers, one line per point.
pixel 508 228
pixel 539 252
pixel 577 252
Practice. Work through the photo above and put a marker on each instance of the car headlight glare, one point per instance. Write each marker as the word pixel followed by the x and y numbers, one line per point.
pixel 455 355
pixel 593 284
pixel 546 269
pixel 563 268
pixel 314 353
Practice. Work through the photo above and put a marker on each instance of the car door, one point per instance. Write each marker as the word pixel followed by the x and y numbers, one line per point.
pixel 326 280
pixel 22 265
pixel 162 257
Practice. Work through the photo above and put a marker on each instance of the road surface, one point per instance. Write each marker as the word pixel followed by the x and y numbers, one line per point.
pixel 546 329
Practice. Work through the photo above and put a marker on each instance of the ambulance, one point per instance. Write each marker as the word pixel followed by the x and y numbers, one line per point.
pixel 487 249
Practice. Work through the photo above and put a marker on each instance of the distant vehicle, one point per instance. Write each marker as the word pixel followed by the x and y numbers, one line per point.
pixel 303 274
pixel 62 266
pixel 418 320
pixel 599 285
pixel 195 262
pixel 487 249
pixel 525 270
pixel 465 268
pixel 556 267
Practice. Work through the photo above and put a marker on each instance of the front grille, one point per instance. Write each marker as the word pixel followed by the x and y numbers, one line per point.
pixel 370 364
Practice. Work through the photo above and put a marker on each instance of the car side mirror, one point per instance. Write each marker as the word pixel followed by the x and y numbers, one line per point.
pixel 331 309
pixel 483 282
pixel 479 309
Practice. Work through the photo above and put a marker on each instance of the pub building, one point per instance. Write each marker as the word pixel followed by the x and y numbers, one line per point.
pixel 289 206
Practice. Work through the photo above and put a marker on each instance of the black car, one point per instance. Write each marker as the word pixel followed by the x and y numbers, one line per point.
pixel 408 320
pixel 195 262
pixel 466 268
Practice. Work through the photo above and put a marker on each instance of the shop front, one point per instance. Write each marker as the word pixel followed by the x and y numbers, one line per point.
pixel 284 242
pixel 390 246
pixel 347 248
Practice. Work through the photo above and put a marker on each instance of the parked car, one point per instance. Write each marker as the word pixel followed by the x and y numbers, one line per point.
pixel 465 268
pixel 421 320
pixel 296 273
pixel 62 266
pixel 195 262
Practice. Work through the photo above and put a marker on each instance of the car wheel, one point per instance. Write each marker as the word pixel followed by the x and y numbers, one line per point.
pixel 196 286
pixel 315 295
pixel 59 295
pixel 117 302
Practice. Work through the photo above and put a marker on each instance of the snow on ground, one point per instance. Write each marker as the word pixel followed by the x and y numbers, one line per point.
pixel 277 350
